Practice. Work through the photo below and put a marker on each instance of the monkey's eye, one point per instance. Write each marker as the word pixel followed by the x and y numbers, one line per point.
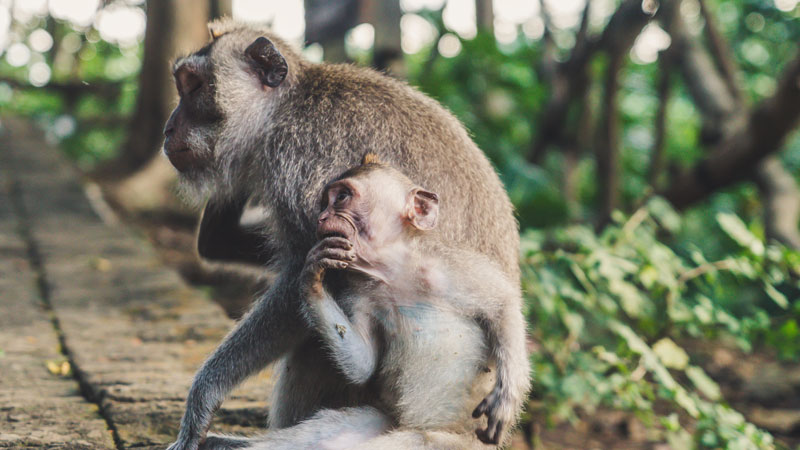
pixel 341 197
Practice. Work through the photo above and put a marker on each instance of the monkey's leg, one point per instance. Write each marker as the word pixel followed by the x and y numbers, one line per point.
pixel 271 328
pixel 223 442
pixel 308 381
pixel 328 429
pixel 422 440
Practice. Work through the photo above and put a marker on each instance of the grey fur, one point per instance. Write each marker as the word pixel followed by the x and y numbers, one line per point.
pixel 279 146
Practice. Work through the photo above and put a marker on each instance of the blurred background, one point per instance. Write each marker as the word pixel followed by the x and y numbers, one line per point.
pixel 650 149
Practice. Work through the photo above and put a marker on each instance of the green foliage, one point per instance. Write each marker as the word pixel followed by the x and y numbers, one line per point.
pixel 611 315
pixel 97 94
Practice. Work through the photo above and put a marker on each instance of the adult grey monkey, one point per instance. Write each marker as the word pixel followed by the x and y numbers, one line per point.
pixel 257 122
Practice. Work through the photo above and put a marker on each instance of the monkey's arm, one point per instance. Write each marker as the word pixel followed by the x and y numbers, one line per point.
pixel 351 342
pixel 220 236
pixel 497 305
pixel 271 328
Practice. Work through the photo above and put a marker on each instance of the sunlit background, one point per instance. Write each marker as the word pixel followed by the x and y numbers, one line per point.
pixel 23 43
pixel 595 126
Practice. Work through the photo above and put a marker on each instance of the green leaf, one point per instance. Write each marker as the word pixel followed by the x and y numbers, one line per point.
pixel 704 383
pixel 648 276
pixel 737 230
pixel 664 213
pixel 670 354
pixel 630 298
pixel 776 295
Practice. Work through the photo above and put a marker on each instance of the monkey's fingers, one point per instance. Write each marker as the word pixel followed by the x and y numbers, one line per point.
pixel 335 242
pixel 336 253
pixel 481 408
pixel 327 263
pixel 181 445
pixel 491 435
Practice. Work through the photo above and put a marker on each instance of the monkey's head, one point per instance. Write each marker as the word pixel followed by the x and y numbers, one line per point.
pixel 210 131
pixel 374 204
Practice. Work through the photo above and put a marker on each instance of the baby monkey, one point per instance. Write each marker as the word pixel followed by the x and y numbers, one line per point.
pixel 414 319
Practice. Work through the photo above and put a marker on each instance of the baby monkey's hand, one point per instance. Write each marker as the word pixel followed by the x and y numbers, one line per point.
pixel 332 252
pixel 499 412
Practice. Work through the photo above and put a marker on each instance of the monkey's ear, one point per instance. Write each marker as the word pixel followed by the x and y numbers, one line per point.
pixel 267 61
pixel 215 30
pixel 423 209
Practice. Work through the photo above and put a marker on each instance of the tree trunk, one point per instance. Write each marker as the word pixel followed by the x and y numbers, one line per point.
pixel 172 27
pixel 327 21
pixel 220 8
pixel 387 54
pixel 608 145
pixel 484 14
pixel 781 198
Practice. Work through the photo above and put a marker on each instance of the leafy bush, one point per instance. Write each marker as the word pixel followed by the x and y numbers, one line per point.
pixel 608 314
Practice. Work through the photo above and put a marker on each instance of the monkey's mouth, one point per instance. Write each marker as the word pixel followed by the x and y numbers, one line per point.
pixel 334 230
pixel 332 234
pixel 181 158
pixel 338 225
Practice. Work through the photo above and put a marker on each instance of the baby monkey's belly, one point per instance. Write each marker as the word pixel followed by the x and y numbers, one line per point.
pixel 434 371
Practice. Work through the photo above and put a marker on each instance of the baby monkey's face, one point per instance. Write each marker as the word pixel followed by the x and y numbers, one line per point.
pixel 375 207
pixel 343 210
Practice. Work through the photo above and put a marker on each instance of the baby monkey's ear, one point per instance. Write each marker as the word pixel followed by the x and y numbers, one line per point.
pixel 423 208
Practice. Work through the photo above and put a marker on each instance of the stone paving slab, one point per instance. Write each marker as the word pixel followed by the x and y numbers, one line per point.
pixel 134 332
pixel 39 406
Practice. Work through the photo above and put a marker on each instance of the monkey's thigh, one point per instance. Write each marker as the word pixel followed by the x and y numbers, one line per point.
pixel 445 357
pixel 423 440
pixel 328 429
pixel 308 381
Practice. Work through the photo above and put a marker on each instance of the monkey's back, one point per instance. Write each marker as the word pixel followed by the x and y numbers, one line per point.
pixel 345 112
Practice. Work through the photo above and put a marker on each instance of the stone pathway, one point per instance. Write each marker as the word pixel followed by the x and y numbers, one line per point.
pixel 98 340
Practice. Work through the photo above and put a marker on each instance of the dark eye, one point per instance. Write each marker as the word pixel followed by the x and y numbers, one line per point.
pixel 341 197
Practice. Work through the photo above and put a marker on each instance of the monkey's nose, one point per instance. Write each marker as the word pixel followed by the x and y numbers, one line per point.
pixel 169 129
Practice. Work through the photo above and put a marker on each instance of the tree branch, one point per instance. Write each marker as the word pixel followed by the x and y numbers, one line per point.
pixel 764 131
pixel 779 192
pixel 572 79
pixel 107 89
pixel 781 206
pixel 566 84
pixel 663 93
pixel 721 53
pixel 666 61
pixel 706 87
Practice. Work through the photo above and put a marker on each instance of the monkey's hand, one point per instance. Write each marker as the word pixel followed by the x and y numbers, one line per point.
pixel 188 440
pixel 332 252
pixel 499 410
pixel 185 444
